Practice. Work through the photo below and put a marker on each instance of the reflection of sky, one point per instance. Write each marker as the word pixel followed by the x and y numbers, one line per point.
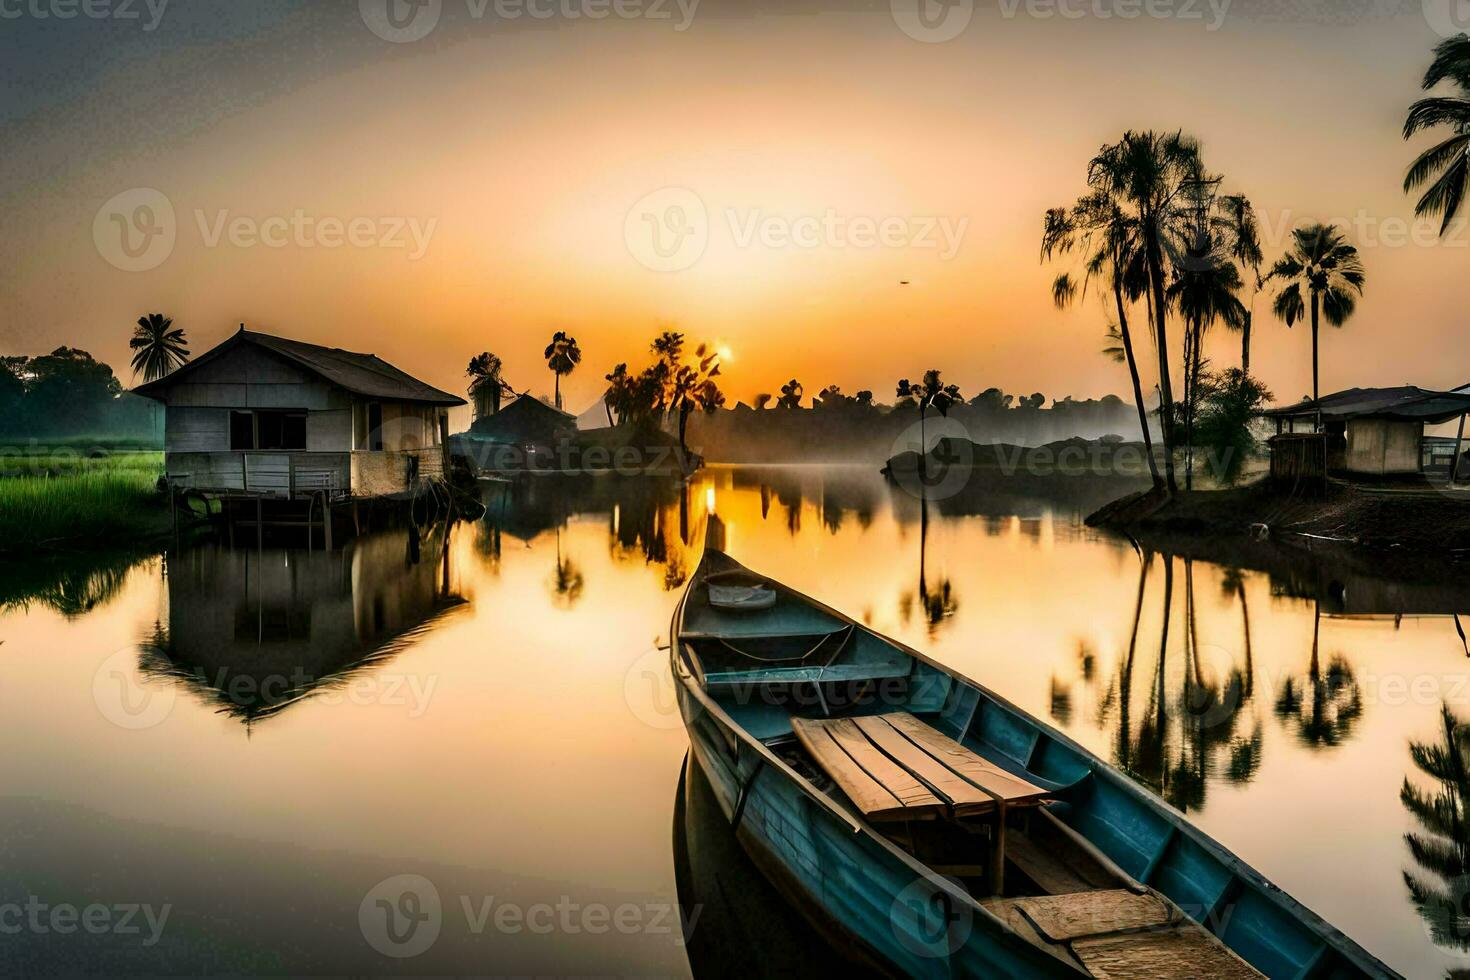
pixel 535 755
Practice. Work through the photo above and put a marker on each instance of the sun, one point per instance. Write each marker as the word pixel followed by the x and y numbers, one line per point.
pixel 726 354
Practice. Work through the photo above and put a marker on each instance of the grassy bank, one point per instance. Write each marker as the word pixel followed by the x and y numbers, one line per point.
pixel 82 502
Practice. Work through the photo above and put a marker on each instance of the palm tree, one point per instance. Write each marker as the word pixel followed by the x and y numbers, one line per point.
pixel 486 383
pixel 1147 174
pixel 1445 167
pixel 158 346
pixel 1245 248
pixel 933 393
pixel 1108 241
pixel 562 356
pixel 1203 291
pixel 1322 263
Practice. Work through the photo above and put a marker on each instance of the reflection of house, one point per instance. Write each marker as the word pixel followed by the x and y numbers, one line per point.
pixel 259 630
pixel 1379 431
pixel 281 418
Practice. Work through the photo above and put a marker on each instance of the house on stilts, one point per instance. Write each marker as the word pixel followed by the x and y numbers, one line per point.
pixel 265 418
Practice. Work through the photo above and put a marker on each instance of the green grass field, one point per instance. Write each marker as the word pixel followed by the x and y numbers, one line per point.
pixel 65 499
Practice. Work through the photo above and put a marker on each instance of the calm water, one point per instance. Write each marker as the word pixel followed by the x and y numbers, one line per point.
pixel 251 743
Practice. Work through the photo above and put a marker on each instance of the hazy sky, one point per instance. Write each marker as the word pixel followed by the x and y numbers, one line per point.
pixel 762 180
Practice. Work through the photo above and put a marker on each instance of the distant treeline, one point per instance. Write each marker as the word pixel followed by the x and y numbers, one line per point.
pixel 68 393
pixel 837 428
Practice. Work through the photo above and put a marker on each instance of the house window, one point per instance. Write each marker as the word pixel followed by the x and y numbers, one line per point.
pixel 267 430
pixel 375 426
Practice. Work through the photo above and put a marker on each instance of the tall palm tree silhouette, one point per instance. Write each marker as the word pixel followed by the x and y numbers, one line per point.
pixel 1107 236
pixel 1445 167
pixel 1245 249
pixel 1323 266
pixel 562 356
pixel 158 346
pixel 1148 173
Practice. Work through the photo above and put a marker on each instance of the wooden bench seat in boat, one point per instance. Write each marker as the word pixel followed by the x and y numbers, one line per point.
pixel 1117 933
pixel 895 767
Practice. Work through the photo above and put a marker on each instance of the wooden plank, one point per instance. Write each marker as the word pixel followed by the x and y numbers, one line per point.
pixel 975 768
pixel 965 797
pixel 1177 954
pixel 872 797
pixel 1063 917
pixel 895 778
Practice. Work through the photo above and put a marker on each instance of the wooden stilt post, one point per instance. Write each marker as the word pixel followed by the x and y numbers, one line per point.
pixel 327 520
pixel 1459 447
pixel 259 525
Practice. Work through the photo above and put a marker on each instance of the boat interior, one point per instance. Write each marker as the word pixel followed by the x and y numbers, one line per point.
pixel 1071 855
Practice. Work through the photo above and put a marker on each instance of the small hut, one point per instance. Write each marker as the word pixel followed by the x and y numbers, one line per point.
pixel 1376 431
pixel 264 416
pixel 525 422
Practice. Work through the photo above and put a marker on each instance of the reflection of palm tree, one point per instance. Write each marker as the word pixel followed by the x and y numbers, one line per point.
pixel 1178 744
pixel 566 581
pixel 941 603
pixel 1443 848
pixel 1326 714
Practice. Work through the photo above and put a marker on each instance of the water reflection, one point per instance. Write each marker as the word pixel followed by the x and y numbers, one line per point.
pixel 254 631
pixel 1440 886
pixel 1191 726
pixel 1323 708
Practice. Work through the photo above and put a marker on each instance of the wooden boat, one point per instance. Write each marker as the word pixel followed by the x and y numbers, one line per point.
pixel 927 827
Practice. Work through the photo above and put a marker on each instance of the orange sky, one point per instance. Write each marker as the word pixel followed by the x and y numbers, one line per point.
pixel 519 150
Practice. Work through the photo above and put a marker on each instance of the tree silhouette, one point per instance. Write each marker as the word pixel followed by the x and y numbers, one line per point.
pixel 562 357
pixel 158 346
pixel 1322 264
pixel 791 393
pixel 486 383
pixel 1445 167
pixel 1440 890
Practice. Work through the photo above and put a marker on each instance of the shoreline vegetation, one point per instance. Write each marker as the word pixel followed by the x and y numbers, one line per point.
pixel 68 500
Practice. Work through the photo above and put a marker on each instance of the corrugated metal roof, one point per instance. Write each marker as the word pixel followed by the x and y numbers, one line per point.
pixel 362 374
pixel 1405 403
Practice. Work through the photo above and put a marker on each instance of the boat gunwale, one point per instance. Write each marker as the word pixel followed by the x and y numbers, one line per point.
pixel 1330 935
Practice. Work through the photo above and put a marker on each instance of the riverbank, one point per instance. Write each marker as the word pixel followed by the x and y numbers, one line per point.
pixel 1408 521
pixel 91 504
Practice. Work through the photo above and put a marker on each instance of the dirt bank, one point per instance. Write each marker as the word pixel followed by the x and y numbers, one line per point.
pixel 1406 520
